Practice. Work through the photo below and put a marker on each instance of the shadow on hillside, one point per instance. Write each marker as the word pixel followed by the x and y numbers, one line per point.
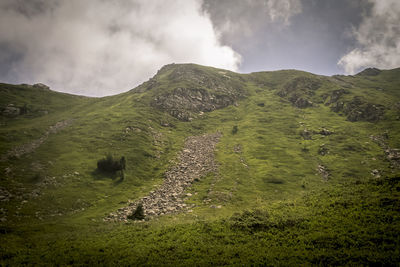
pixel 117 177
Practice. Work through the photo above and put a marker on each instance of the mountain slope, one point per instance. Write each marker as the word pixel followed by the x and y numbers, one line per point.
pixel 299 153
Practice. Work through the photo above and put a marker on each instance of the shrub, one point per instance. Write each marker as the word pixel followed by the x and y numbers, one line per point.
pixel 234 129
pixel 110 165
pixel 138 214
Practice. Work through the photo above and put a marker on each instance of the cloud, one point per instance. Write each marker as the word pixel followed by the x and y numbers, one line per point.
pixel 378 39
pixel 242 18
pixel 97 47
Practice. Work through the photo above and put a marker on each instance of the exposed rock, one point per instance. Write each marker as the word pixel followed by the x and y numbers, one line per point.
pixel 337 106
pixel 237 148
pixel 183 103
pixel 299 90
pixel 323 171
pixel 325 132
pixel 323 150
pixel 132 128
pixel 336 95
pixel 5 195
pixel 195 161
pixel 392 154
pixel 376 173
pixel 41 86
pixel 306 134
pixel 358 109
pixel 202 90
pixel 11 111
pixel 301 102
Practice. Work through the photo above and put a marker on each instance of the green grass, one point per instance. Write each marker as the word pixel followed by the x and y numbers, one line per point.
pixel 266 205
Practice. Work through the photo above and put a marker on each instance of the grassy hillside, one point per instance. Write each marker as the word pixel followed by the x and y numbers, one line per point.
pixel 307 170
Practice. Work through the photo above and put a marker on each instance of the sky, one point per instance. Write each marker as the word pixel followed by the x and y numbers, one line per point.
pixel 99 47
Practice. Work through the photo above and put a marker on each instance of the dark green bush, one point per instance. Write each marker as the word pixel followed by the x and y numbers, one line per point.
pixel 138 214
pixel 234 129
pixel 110 165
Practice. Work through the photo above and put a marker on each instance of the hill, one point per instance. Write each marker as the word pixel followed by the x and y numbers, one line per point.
pixel 282 167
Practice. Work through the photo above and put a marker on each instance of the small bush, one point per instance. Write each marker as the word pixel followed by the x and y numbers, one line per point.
pixel 138 214
pixel 110 165
pixel 234 129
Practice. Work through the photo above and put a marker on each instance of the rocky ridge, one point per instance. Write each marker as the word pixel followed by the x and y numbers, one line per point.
pixel 195 161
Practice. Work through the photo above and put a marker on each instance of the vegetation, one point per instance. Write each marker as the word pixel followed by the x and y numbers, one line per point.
pixel 108 164
pixel 138 213
pixel 234 129
pixel 268 204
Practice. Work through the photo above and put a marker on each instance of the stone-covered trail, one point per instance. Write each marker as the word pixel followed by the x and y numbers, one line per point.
pixel 195 161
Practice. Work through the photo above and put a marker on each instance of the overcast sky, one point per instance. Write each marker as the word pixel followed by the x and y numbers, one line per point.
pixel 98 47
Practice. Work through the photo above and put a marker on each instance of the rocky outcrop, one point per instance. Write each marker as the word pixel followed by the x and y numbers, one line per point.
pixel 41 86
pixel 11 111
pixel 357 109
pixel 184 103
pixel 308 134
pixel 391 154
pixel 323 171
pixel 195 161
pixel 299 90
pixel 187 90
pixel 334 96
pixel 360 110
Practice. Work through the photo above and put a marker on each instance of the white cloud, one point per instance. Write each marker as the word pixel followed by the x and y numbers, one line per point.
pixel 378 38
pixel 96 47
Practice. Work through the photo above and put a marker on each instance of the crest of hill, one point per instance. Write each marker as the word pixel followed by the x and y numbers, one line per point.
pixel 186 90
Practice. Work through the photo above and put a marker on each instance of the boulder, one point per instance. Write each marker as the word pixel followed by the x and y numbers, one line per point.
pixel 11 111
pixel 306 134
pixel 325 132
pixel 41 86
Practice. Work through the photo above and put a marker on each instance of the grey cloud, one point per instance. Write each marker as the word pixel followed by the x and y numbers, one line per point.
pixel 378 39
pixel 97 47
pixel 236 19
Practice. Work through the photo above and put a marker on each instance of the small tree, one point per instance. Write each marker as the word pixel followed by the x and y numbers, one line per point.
pixel 138 214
